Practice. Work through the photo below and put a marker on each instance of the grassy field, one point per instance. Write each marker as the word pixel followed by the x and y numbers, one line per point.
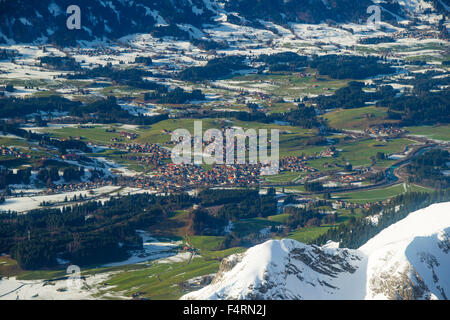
pixel 284 177
pixel 96 134
pixel 163 281
pixel 244 227
pixel 425 57
pixel 287 85
pixel 379 194
pixel 359 153
pixel 22 83
pixel 416 188
pixel 356 119
pixel 120 157
pixel 401 48
pixel 155 134
pixel 292 139
pixel 120 91
pixel 206 242
pixel 13 142
pixel 46 93
pixel 156 280
pixel 308 235
pixel 319 163
pixel 431 132
pixel 280 107
pixel 295 189
pixel 280 218
pixel 371 195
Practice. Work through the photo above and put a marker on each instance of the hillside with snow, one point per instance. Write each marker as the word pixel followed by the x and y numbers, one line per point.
pixel 45 21
pixel 408 260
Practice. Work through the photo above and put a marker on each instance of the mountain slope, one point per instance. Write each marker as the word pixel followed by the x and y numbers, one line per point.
pixel 408 260
pixel 27 21
pixel 307 11
pixel 413 251
pixel 45 21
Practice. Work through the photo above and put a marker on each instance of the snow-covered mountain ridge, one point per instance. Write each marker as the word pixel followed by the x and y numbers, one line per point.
pixel 45 21
pixel 408 260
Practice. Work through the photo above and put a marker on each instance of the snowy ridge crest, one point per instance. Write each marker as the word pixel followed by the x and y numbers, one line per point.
pixel 408 260
pixel 272 270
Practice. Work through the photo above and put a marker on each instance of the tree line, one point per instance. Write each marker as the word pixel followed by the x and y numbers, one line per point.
pixel 427 169
pixel 359 230
pixel 89 233
pixel 103 110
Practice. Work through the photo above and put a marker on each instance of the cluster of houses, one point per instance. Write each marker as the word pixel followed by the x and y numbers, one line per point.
pixel 14 152
pixel 295 164
pixel 70 157
pixel 420 34
pixel 153 154
pixel 191 175
pixel 146 148
pixel 388 131
pixel 79 186
pixel 150 159
pixel 329 153
pixel 349 178
pixel 101 51
pixel 340 204
pixel 262 96
pixel 128 135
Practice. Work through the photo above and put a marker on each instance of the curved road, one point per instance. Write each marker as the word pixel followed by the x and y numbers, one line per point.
pixel 392 176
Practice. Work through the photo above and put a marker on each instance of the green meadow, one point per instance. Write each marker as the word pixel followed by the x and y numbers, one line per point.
pixel 359 153
pixel 379 194
pixel 431 132
pixel 356 119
